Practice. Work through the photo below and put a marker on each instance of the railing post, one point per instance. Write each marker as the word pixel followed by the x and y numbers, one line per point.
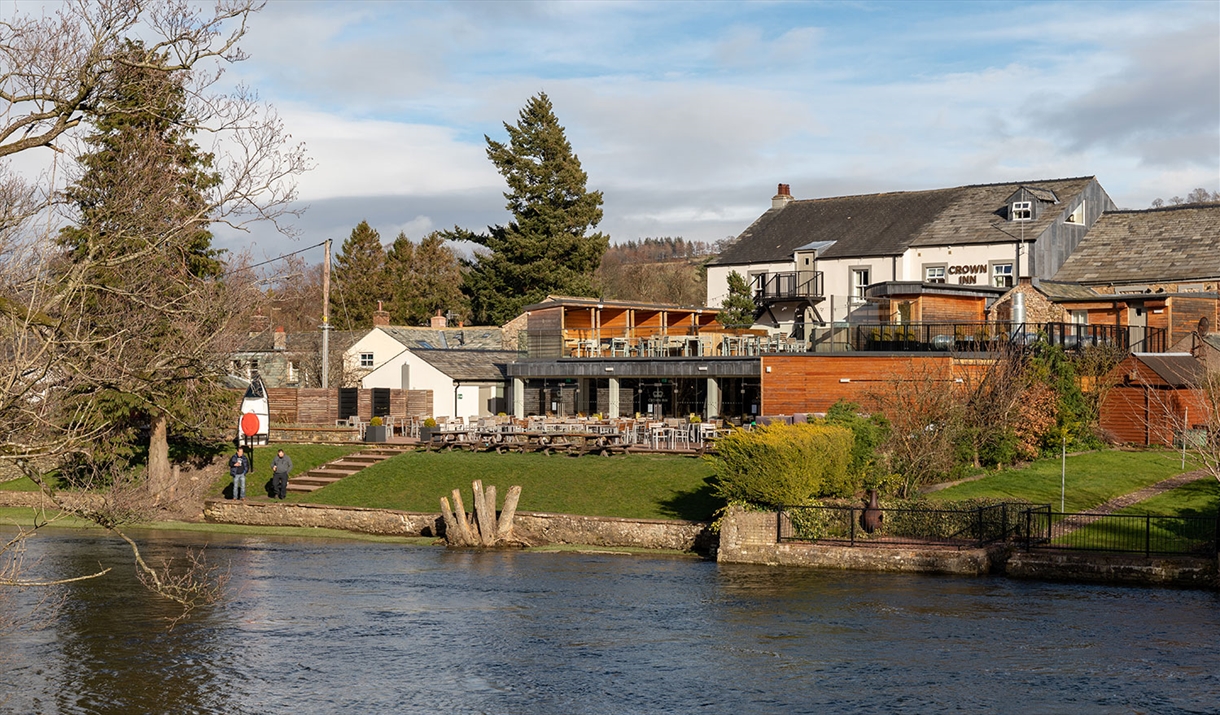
pixel 1147 535
pixel 779 524
pixel 852 517
pixel 1004 522
pixel 978 524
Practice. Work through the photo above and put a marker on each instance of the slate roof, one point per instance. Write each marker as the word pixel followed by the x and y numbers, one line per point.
pixel 474 365
pixel 1176 369
pixel 479 337
pixel 1152 246
pixel 1068 291
pixel 887 224
pixel 305 342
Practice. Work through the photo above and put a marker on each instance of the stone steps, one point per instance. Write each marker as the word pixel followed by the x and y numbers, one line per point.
pixel 345 466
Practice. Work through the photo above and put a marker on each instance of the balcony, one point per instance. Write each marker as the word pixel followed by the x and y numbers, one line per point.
pixel 787 286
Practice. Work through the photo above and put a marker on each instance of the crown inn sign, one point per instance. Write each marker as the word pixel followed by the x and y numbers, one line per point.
pixel 967 275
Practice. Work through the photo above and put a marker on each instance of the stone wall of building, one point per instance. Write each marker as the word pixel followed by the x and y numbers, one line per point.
pixel 1136 569
pixel 1038 308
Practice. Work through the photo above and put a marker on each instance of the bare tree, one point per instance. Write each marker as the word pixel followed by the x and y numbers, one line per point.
pixel 925 408
pixel 56 366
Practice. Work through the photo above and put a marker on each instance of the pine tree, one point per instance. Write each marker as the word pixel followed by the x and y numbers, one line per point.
pixel 140 252
pixel 738 306
pixel 360 279
pixel 423 279
pixel 546 248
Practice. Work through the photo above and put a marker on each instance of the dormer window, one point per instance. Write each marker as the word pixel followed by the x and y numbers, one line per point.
pixel 1077 216
pixel 1022 210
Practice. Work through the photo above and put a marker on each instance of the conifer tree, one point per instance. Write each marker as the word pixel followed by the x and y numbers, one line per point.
pixel 141 250
pixel 547 247
pixel 360 279
pixel 738 306
pixel 423 278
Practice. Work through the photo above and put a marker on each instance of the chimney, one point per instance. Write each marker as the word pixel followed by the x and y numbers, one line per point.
pixel 259 323
pixel 281 339
pixel 381 318
pixel 438 320
pixel 783 197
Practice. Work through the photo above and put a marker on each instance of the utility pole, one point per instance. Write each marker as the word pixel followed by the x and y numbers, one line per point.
pixel 326 316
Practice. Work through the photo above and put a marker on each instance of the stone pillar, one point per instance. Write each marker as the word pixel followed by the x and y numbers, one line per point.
pixel 518 398
pixel 711 408
pixel 613 409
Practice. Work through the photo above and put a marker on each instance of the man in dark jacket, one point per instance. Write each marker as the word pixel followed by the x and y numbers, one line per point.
pixel 281 466
pixel 239 466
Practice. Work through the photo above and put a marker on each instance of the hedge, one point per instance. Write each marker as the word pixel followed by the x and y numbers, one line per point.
pixel 784 464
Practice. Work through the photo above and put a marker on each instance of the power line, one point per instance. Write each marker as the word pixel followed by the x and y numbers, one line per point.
pixel 286 255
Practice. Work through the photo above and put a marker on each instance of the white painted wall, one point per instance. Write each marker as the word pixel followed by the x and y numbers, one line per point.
pixel 983 255
pixel 423 376
pixel 383 347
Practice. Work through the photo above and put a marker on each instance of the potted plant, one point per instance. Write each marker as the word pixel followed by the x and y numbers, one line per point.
pixel 426 430
pixel 376 430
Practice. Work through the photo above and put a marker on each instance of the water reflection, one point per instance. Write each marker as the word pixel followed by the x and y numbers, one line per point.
pixel 321 627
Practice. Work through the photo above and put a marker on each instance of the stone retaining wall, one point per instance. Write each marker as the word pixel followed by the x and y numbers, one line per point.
pixel 532 527
pixel 1181 571
pixel 750 537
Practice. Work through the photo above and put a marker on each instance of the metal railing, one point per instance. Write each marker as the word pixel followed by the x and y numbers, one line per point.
pixel 793 284
pixel 983 337
pixel 1124 533
pixel 688 341
pixel 953 527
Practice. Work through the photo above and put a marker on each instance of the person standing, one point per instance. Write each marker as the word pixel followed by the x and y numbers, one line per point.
pixel 281 466
pixel 239 467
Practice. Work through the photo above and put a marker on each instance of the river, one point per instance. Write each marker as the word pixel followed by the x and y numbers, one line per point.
pixel 332 626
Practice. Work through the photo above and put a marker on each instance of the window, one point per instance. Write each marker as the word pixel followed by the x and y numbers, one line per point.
pixel 1001 275
pixel 859 281
pixel 292 371
pixel 1080 317
pixel 1022 210
pixel 252 370
pixel 934 274
pixel 366 359
pixel 1076 216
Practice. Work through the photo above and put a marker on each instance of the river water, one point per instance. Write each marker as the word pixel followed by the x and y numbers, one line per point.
pixel 326 626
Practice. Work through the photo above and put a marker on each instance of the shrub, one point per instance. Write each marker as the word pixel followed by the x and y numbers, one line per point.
pixel 376 422
pixel 784 464
pixel 429 422
pixel 868 434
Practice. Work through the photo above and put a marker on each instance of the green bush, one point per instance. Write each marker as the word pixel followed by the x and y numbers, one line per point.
pixel 868 434
pixel 784 464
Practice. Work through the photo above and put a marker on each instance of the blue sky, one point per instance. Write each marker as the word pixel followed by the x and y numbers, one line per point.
pixel 687 115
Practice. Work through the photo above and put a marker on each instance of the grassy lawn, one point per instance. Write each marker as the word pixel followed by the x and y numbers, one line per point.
pixel 304 458
pixel 1201 498
pixel 1092 479
pixel 629 486
pixel 1162 532
pixel 21 484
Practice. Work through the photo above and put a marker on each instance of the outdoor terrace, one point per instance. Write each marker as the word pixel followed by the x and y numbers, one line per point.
pixel 719 341
pixel 787 286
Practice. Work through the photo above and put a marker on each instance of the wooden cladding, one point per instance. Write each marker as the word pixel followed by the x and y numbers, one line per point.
pixel 812 383
pixel 316 406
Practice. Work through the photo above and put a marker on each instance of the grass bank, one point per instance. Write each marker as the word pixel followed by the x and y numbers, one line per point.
pixel 1092 479
pixel 304 458
pixel 628 486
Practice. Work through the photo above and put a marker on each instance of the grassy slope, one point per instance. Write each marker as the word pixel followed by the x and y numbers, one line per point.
pixel 1092 479
pixel 304 458
pixel 631 486
pixel 1199 498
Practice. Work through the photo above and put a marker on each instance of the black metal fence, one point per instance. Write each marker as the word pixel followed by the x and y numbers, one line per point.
pixel 984 337
pixel 1125 533
pixel 949 526
pixel 1033 527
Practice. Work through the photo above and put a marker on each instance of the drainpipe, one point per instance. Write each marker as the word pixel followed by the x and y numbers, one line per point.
pixel 456 385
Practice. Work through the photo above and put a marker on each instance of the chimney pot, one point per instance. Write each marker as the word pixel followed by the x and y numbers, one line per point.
pixel 783 196
pixel 438 320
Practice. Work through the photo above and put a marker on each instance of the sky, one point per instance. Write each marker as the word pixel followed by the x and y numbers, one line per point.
pixel 687 115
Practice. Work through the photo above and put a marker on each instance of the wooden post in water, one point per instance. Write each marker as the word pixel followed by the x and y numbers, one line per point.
pixel 484 529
